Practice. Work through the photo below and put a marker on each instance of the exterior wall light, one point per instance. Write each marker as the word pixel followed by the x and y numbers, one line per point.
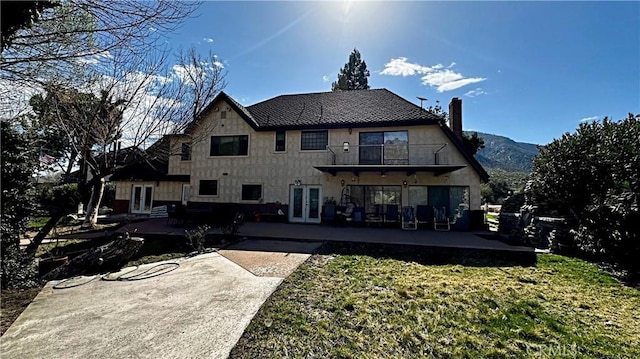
pixel 404 183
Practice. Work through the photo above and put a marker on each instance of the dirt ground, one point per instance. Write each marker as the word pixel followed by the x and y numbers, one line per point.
pixel 12 303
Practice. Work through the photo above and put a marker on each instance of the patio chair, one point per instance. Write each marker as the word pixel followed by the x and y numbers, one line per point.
pixel 376 216
pixel 176 214
pixel 409 218
pixel 441 220
pixel 391 214
pixel 424 214
pixel 358 214
pixel 329 212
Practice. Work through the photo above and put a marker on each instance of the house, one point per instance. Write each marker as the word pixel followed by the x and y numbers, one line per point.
pixel 299 153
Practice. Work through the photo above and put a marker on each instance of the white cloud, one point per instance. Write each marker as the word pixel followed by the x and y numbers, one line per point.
pixel 448 80
pixel 207 39
pixel 589 119
pixel 474 93
pixel 325 78
pixel 94 59
pixel 435 76
pixel 400 67
pixel 218 64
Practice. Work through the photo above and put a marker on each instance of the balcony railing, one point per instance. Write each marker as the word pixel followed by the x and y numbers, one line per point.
pixel 392 155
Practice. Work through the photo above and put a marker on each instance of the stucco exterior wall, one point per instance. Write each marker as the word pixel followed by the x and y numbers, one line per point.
pixel 177 166
pixel 277 171
pixel 162 191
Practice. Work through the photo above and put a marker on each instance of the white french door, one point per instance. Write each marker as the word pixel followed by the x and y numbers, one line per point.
pixel 141 198
pixel 304 204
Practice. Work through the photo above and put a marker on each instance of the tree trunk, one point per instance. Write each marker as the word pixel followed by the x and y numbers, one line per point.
pixel 109 257
pixel 42 234
pixel 97 189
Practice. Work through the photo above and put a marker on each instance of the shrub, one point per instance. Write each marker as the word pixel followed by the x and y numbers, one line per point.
pixel 18 269
pixel 593 176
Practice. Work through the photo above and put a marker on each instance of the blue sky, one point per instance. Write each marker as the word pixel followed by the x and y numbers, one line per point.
pixel 527 70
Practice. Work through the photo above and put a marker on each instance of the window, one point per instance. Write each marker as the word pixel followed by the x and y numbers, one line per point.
pixel 251 192
pixel 223 114
pixel 389 148
pixel 229 145
pixel 281 141
pixel 185 155
pixel 208 188
pixel 314 140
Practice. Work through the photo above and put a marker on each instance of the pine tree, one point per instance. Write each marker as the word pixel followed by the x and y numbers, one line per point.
pixel 353 76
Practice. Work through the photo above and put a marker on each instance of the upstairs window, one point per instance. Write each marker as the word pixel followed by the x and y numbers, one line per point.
pixel 229 145
pixel 314 140
pixel 185 155
pixel 281 141
pixel 223 114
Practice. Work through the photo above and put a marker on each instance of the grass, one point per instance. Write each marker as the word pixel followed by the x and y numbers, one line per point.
pixel 353 306
pixel 36 223
pixel 63 246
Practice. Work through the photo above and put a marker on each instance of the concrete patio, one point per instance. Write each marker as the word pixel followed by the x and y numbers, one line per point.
pixel 421 237
pixel 311 232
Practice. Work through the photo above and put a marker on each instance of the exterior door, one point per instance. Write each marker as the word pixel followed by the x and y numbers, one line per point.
pixel 186 188
pixel 438 197
pixel 141 198
pixel 304 204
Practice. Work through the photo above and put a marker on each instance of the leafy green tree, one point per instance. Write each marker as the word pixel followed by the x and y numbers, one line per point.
pixel 593 177
pixel 354 74
pixel 495 190
pixel 472 143
pixel 19 163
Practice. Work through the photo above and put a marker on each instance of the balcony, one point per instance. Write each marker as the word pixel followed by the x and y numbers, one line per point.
pixel 387 158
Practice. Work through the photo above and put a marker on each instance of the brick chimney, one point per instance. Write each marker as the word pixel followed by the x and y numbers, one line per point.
pixel 455 116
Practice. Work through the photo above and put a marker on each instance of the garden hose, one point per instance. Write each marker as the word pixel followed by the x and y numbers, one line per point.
pixel 158 269
pixel 154 271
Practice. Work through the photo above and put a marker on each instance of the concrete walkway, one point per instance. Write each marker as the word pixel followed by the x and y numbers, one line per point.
pixel 199 310
pixel 422 237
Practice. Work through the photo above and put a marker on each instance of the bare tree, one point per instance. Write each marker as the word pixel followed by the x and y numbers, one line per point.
pixel 76 33
pixel 134 103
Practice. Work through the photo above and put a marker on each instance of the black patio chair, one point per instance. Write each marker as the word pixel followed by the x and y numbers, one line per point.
pixel 424 213
pixel 392 214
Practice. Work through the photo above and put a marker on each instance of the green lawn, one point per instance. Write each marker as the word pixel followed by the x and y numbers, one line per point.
pixel 359 306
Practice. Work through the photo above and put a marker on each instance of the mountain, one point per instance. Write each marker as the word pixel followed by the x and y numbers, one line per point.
pixel 505 154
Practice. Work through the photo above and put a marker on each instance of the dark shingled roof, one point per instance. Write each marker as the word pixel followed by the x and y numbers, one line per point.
pixel 357 108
